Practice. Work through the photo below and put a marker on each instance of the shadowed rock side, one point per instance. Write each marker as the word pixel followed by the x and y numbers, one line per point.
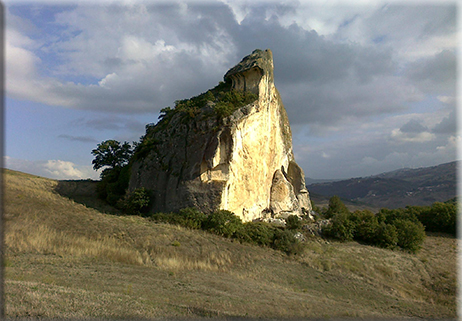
pixel 243 163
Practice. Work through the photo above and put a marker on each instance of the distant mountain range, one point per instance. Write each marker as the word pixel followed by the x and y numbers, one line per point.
pixel 420 186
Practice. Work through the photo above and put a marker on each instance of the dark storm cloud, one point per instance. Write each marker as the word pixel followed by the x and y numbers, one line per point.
pixel 187 50
pixel 303 55
pixel 413 126
pixel 435 74
pixel 447 126
pixel 107 122
pixel 82 139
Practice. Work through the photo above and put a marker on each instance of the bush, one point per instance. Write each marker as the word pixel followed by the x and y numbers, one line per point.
pixel 256 232
pixel 366 225
pixel 410 234
pixel 136 202
pixel 386 236
pixel 284 240
pixel 389 216
pixel 192 218
pixel 223 222
pixel 440 217
pixel 293 222
pixel 170 218
pixel 341 228
pixel 113 184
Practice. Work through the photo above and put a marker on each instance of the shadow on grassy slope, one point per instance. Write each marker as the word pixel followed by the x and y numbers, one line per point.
pixel 84 192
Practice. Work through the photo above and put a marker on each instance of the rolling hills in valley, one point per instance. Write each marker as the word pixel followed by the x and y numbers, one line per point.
pixel 420 186
pixel 68 255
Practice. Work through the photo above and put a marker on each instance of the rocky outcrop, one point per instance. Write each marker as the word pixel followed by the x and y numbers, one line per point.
pixel 243 162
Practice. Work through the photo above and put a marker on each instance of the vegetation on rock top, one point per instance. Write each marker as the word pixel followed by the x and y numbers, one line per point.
pixel 217 103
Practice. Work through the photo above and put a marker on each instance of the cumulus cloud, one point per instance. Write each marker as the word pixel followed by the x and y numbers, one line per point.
pixel 349 76
pixel 133 67
pixel 59 168
pixel 420 137
pixel 55 169
pixel 414 31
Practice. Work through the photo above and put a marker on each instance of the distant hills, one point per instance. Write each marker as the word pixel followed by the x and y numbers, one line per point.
pixel 420 186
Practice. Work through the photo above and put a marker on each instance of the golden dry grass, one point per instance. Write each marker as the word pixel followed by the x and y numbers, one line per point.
pixel 65 260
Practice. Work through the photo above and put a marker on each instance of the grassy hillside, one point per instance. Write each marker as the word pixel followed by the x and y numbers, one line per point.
pixel 65 259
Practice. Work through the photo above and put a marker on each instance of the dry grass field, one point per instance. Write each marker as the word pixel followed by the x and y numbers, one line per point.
pixel 69 260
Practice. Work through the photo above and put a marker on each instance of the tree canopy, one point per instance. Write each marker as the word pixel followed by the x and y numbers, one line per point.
pixel 111 153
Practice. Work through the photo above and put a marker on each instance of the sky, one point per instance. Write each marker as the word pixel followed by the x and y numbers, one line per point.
pixel 369 86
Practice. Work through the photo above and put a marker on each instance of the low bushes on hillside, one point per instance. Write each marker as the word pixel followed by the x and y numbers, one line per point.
pixel 388 229
pixel 440 217
pixel 223 222
pixel 226 224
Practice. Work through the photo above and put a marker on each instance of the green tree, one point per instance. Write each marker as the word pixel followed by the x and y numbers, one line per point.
pixel 113 184
pixel 336 206
pixel 111 153
pixel 115 177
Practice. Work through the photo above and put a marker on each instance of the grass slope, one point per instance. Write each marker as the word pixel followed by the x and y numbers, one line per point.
pixel 67 260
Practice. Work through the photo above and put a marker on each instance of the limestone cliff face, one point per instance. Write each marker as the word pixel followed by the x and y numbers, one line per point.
pixel 243 163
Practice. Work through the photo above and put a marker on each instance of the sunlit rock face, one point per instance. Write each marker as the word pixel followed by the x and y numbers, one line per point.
pixel 243 163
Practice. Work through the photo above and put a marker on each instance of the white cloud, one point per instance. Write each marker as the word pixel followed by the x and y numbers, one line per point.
pixel 55 169
pixel 60 169
pixel 133 67
pixel 413 31
pixel 453 143
pixel 402 137
pixel 353 81
pixel 446 99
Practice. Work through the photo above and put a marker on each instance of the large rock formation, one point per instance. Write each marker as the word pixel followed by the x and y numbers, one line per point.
pixel 242 162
